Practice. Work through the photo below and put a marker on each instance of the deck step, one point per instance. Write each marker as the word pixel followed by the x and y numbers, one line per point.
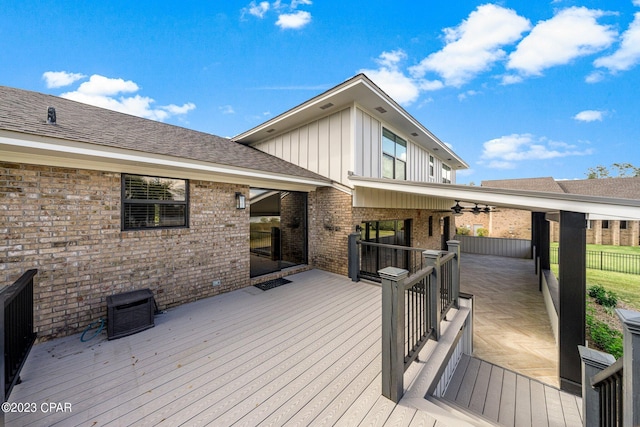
pixel 507 398
pixel 461 413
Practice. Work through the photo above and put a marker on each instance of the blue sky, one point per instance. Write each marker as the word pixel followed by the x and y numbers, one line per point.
pixel 517 88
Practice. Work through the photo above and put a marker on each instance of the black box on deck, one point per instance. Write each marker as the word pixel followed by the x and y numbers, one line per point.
pixel 129 312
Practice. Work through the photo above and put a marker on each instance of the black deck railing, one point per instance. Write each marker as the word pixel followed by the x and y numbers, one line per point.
pixel 376 256
pixel 608 383
pixel 610 387
pixel 606 261
pixel 260 242
pixel 17 329
pixel 447 271
pixel 412 306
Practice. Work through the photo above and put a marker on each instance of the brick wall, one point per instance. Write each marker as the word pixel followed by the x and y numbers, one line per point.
pixel 332 218
pixel 66 223
pixel 330 223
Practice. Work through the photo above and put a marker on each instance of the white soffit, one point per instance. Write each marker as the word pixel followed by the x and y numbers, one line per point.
pixel 534 201
pixel 357 91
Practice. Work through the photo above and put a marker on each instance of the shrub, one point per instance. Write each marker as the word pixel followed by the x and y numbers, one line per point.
pixel 607 339
pixel 603 297
pixel 463 231
pixel 482 232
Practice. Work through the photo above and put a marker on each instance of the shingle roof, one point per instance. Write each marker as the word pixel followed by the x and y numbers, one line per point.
pixel 621 188
pixel 26 112
pixel 546 184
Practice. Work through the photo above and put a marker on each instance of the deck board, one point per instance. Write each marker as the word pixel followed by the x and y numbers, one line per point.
pixel 510 399
pixel 306 353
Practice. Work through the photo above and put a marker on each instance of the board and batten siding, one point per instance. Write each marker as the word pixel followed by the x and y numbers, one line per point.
pixel 368 152
pixel 375 198
pixel 322 146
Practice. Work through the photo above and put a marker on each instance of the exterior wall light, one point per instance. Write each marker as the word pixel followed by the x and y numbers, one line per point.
pixel 241 201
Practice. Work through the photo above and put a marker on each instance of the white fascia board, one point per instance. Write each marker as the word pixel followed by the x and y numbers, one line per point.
pixel 64 153
pixel 625 209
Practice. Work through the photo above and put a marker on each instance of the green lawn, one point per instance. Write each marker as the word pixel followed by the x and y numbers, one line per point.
pixel 633 250
pixel 626 286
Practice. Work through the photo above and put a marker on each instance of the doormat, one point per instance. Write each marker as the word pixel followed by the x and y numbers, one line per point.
pixel 270 284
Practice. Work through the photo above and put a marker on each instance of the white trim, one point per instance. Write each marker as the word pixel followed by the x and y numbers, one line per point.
pixel 533 201
pixel 64 153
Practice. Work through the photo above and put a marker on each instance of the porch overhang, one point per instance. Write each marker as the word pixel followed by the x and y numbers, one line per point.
pixel 535 201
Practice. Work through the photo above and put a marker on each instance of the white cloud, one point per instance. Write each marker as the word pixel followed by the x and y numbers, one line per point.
pixel 56 79
pixel 256 9
pixel 636 3
pixel 464 95
pixel 227 109
pixel 589 116
pixel 398 86
pixel 294 20
pixel 594 77
pixel 506 151
pixel 474 45
pixel 572 33
pixel 296 3
pixel 628 54
pixel 109 93
pixel 510 79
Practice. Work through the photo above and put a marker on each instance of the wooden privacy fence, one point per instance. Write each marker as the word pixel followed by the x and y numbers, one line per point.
pixel 412 307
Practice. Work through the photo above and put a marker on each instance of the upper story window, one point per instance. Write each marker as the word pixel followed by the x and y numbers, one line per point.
pixel 432 166
pixel 394 156
pixel 446 174
pixel 154 202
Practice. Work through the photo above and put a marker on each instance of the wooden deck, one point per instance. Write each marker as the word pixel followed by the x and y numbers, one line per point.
pixel 306 353
pixel 510 399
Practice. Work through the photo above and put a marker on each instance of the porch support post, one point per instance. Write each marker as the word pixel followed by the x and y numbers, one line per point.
pixel 354 257
pixel 593 362
pixel 432 259
pixel 571 258
pixel 393 332
pixel 454 246
pixel 540 238
pixel 630 367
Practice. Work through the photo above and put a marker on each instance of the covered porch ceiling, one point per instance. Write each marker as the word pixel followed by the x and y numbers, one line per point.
pixel 595 208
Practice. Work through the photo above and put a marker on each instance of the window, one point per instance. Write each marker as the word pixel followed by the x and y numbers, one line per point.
pixel 446 174
pixel 430 226
pixel 623 225
pixel 153 202
pixel 589 224
pixel 394 156
pixel 605 224
pixel 432 168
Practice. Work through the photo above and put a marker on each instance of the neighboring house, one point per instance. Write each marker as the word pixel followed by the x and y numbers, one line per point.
pixel 102 202
pixel 515 223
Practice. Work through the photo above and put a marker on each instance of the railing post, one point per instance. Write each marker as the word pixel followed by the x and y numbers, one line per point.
pixel 593 362
pixel 630 367
pixel 454 246
pixel 393 332
pixel 354 257
pixel 432 259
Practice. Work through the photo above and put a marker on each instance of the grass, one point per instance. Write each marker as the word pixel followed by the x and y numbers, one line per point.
pixel 626 286
pixel 631 250
pixel 601 329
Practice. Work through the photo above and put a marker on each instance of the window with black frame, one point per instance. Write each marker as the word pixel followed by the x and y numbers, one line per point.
pixel 394 156
pixel 154 202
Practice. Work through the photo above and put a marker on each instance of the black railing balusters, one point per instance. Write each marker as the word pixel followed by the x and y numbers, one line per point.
pixel 16 328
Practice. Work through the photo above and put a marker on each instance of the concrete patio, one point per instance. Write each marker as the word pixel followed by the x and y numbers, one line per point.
pixel 305 353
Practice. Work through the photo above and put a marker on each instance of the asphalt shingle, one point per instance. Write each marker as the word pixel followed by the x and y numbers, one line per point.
pixel 26 112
